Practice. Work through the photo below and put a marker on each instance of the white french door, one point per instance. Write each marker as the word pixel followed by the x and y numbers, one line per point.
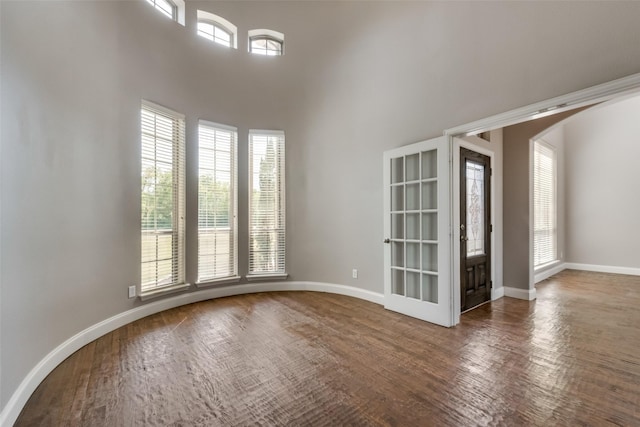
pixel 417 250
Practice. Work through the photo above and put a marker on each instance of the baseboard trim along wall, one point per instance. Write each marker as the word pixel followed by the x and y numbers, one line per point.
pixel 603 268
pixel 19 398
pixel 545 274
pixel 525 294
pixel 497 293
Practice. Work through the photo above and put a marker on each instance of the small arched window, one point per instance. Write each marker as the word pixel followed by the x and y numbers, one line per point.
pixel 217 29
pixel 173 9
pixel 266 42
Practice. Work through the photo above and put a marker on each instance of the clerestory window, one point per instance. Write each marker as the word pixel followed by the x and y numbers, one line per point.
pixel 266 42
pixel 217 29
pixel 173 9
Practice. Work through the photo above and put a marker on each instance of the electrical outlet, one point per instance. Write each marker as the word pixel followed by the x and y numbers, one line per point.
pixel 132 291
pixel 354 273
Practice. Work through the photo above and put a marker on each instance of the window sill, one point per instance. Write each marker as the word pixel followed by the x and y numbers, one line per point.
pixel 547 265
pixel 262 277
pixel 214 282
pixel 164 291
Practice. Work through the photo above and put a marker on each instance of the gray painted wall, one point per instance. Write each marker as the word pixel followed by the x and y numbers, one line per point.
pixel 357 79
pixel 516 140
pixel 602 172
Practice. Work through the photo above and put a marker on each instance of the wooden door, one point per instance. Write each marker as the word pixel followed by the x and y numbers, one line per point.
pixel 416 225
pixel 475 229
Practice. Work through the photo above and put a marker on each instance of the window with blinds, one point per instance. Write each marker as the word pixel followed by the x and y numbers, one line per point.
pixel 162 198
pixel 266 203
pixel 217 202
pixel 544 204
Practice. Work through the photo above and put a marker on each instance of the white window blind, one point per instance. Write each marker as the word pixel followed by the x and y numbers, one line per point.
pixel 266 202
pixel 162 198
pixel 217 202
pixel 544 204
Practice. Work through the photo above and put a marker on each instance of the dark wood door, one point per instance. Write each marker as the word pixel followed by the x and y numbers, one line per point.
pixel 475 229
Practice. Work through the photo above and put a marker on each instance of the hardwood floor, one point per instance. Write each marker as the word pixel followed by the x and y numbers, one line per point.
pixel 569 358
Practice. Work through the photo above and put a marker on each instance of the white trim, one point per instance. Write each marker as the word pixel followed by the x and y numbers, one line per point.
pixel 207 123
pixel 541 275
pixel 213 282
pixel 456 144
pixel 28 385
pixel 581 98
pixel 164 291
pixel 266 132
pixel 525 294
pixel 208 17
pixel 161 109
pixel 632 271
pixel 275 276
pixel 264 32
pixel 497 293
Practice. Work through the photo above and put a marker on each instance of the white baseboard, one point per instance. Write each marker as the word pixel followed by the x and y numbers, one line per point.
pixel 497 293
pixel 545 274
pixel 28 385
pixel 603 268
pixel 526 294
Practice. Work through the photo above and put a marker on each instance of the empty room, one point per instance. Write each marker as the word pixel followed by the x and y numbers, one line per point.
pixel 319 213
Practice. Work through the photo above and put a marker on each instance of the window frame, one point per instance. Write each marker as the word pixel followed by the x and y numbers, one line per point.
pixel 279 272
pixel 268 36
pixel 178 175
pixel 545 229
pixel 233 195
pixel 217 22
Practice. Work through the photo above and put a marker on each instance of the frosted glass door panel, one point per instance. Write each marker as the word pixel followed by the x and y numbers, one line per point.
pixel 413 167
pixel 397 170
pixel 429 226
pixel 429 257
pixel 413 255
pixel 413 197
pixel 430 195
pixel 397 254
pixel 413 284
pixel 429 164
pixel 429 288
pixel 413 226
pixel 397 226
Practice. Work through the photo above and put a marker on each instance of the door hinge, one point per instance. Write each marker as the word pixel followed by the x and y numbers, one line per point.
pixel 490 171
pixel 490 284
pixel 490 228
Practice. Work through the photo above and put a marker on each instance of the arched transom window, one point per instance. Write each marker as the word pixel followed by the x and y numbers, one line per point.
pixel 266 42
pixel 217 29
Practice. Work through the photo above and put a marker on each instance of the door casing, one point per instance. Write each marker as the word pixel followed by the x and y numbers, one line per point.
pixel 457 143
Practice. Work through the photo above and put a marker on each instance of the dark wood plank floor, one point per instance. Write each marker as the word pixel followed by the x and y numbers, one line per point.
pixel 570 358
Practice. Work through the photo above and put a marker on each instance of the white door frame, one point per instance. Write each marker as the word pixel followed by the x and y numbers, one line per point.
pixel 457 143
pixel 599 93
